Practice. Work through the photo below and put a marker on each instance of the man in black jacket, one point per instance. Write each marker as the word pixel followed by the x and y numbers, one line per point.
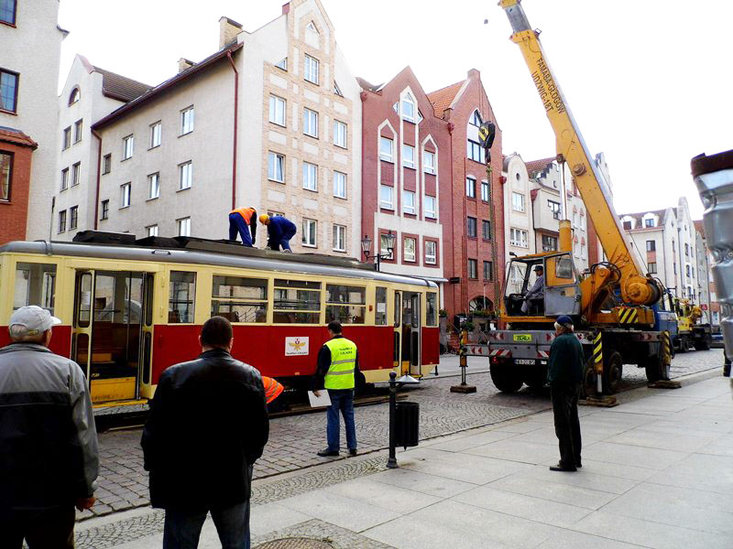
pixel 208 425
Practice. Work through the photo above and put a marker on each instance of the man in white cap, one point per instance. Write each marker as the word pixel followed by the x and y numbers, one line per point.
pixel 48 442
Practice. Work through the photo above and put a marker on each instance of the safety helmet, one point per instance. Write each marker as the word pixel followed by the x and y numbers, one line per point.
pixel 264 219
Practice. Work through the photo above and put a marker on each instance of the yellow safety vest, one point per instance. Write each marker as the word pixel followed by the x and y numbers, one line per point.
pixel 340 374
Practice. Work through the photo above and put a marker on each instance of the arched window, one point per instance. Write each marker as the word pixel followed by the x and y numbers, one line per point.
pixel 476 119
pixel 74 96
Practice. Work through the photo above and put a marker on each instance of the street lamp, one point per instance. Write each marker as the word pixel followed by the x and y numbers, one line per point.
pixel 366 246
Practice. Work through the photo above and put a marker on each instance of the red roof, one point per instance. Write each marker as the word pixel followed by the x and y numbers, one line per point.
pixel 443 98
pixel 535 166
pixel 17 137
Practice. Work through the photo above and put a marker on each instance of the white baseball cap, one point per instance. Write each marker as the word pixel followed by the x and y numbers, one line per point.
pixel 34 319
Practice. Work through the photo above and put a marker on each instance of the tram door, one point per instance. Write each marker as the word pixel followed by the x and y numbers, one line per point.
pixel 407 332
pixel 112 331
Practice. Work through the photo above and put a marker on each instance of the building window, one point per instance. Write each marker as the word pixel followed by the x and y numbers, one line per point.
pixel 309 230
pixel 517 202
pixel 128 147
pixel 73 217
pixel 78 130
pixel 386 149
pixel 428 162
pixel 310 69
pixel 276 167
pixel 408 156
pixel 184 226
pixel 652 267
pixel 687 270
pixel 471 227
pixel 687 249
pixel 75 174
pixel 310 176
pixel 476 119
pixel 486 229
pixel 485 195
pixel 651 245
pixel 156 132
pixel 337 90
pixel 8 90
pixel 310 122
pixel 339 134
pixel 549 243
pixel 384 250
pixel 106 164
pixel 386 197
pixel 473 269
pixel 339 238
pixel 408 249
pixel 555 209
pixel 6 175
pixel 339 185
pixel 7 11
pixel 518 237
pixel 430 207
pixel 431 252
pixel 408 108
pixel 649 222
pixel 488 271
pixel 75 94
pixel 408 202
pixel 105 210
pixel 187 116
pixel 125 191
pixel 62 221
pixel 66 138
pixel 152 230
pixel 470 187
pixel 277 110
pixel 64 179
pixel 283 64
pixel 153 186
pixel 185 175
pixel 475 151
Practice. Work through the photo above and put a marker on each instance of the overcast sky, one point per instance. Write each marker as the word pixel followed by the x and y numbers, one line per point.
pixel 646 81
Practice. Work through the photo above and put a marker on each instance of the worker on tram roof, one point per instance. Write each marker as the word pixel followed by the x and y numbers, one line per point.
pixel 279 231
pixel 244 221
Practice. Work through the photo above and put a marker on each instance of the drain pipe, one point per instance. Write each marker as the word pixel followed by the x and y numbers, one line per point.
pixel 234 144
pixel 99 169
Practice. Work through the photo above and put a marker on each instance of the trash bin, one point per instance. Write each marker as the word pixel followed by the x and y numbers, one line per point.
pixel 408 424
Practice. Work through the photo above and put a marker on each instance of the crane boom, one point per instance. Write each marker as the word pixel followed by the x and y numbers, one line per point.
pixel 636 288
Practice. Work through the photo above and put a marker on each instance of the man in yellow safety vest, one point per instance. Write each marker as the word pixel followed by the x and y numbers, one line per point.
pixel 336 372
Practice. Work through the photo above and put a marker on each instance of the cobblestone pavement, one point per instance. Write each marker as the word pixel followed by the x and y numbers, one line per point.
pixel 295 440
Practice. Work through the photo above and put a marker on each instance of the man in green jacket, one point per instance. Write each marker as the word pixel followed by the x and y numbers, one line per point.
pixel 565 373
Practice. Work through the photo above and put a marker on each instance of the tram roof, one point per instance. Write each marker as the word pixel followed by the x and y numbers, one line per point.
pixel 215 253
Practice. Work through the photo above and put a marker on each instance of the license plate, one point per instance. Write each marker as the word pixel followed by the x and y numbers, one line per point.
pixel 522 337
pixel 523 361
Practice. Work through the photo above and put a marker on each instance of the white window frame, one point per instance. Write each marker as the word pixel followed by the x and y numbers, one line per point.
pixel 382 154
pixel 470 189
pixel 485 191
pixel 309 230
pixel 64 179
pixel 278 110
pixel 431 207
pixel 339 133
pixel 73 217
pixel 428 162
pixel 408 155
pixel 187 120
pixel 311 67
pixel 154 186
pixel 275 162
pixel 152 230
pixel 382 203
pixel 128 146
pixel 185 175
pixel 474 263
pixel 518 202
pixel 66 139
pixel 183 225
pixel 310 176
pixel 411 255
pixel 339 184
pixel 125 195
pixel 78 130
pixel 62 221
pixel 310 122
pixel 518 238
pixel 431 256
pixel 339 238
pixel 156 134
pixel 75 174
pixel 408 202
pixel 404 101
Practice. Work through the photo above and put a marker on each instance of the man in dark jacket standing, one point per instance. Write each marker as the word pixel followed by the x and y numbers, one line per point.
pixel 565 373
pixel 48 443
pixel 208 425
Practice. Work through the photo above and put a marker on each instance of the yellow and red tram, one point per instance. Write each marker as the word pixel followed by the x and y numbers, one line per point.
pixel 129 310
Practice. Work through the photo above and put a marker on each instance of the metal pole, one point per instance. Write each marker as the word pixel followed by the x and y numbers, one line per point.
pixel 392 461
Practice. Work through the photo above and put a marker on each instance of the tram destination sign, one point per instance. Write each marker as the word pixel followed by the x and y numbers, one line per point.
pixel 296 346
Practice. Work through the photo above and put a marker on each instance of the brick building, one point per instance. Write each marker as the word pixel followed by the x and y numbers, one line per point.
pixel 476 244
pixel 406 174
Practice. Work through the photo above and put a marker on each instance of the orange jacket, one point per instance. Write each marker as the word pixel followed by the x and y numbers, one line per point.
pixel 273 389
pixel 246 213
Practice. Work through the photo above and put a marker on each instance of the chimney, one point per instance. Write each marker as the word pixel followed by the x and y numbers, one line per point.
pixel 474 73
pixel 228 31
pixel 184 64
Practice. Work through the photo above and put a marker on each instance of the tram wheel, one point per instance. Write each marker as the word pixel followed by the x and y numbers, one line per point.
pixel 506 378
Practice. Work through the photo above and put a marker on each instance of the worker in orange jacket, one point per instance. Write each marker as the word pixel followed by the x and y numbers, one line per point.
pixel 273 390
pixel 244 221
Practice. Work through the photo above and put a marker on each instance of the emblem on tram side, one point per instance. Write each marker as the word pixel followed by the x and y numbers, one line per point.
pixel 295 346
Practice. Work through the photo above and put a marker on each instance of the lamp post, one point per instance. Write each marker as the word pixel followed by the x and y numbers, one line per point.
pixel 366 246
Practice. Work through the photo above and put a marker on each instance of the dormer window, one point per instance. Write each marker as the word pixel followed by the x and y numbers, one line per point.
pixel 74 96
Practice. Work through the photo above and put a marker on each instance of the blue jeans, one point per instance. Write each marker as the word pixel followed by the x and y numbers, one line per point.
pixel 183 528
pixel 237 225
pixel 341 400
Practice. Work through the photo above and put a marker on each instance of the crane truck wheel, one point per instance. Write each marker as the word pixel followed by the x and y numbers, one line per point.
pixel 589 379
pixel 612 372
pixel 506 377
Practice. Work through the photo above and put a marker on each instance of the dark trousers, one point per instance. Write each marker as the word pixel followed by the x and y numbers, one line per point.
pixel 46 529
pixel 238 225
pixel 342 400
pixel 567 425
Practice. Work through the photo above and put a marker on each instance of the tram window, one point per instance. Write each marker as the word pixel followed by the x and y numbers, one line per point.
pixel 345 304
pixel 431 310
pixel 240 299
pixel 35 284
pixel 380 316
pixel 181 298
pixel 296 302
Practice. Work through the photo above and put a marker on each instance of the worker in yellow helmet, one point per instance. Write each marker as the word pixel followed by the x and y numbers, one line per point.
pixel 279 231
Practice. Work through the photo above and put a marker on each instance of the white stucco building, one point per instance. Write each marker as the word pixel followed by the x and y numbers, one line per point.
pixel 519 230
